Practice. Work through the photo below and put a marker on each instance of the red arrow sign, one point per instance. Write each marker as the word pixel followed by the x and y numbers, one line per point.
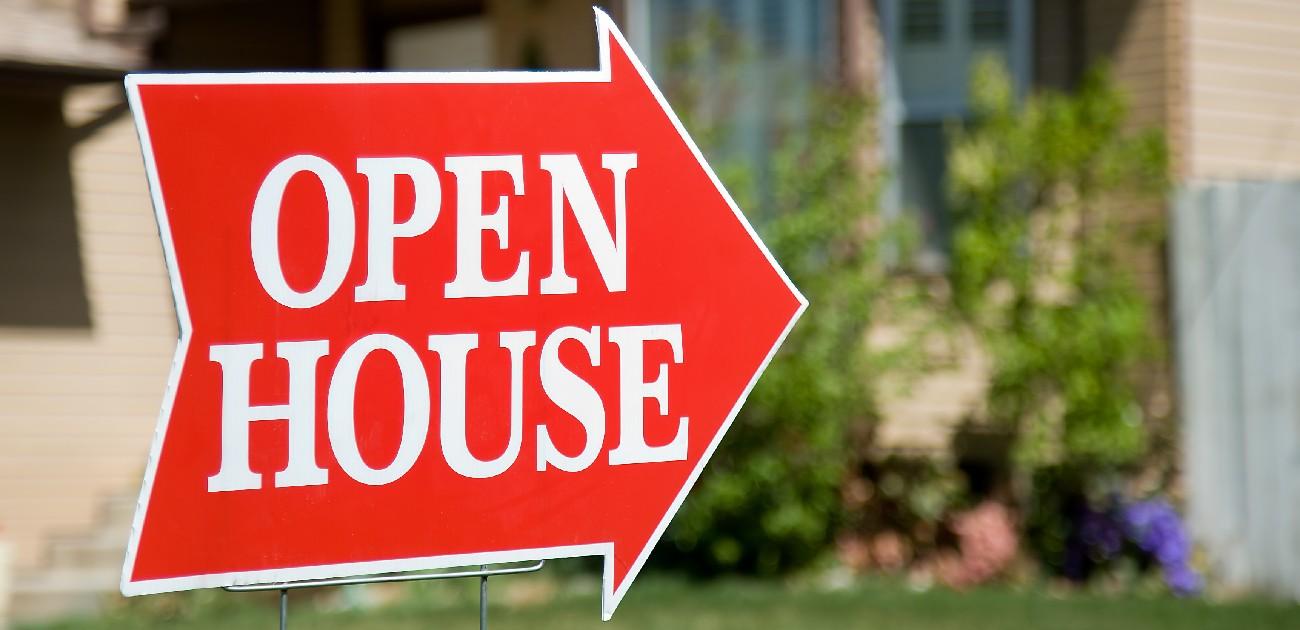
pixel 438 319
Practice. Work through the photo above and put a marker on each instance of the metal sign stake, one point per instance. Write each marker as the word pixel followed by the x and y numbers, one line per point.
pixel 482 599
pixel 482 574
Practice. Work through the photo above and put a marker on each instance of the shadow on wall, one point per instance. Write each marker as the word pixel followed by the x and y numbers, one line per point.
pixel 42 282
pixel 1070 37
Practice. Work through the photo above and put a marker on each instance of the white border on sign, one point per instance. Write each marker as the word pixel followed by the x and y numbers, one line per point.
pixel 610 597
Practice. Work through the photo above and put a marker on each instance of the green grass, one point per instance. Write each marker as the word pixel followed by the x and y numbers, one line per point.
pixel 657 603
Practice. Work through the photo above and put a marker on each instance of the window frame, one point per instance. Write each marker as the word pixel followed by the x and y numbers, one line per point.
pixel 894 113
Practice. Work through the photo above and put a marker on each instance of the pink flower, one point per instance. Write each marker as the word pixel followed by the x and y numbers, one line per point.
pixel 987 543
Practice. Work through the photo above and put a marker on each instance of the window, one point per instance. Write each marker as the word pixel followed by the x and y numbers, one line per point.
pixel 456 44
pixel 774 25
pixel 923 21
pixel 931 46
pixel 988 20
pixel 921 167
pixel 760 62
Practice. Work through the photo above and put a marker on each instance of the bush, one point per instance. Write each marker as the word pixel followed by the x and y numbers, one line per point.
pixel 770 499
pixel 1042 252
pixel 1040 269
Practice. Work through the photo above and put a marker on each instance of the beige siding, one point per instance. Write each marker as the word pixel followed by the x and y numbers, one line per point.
pixel 921 415
pixel 78 402
pixel 1244 89
pixel 1136 37
pixel 1142 41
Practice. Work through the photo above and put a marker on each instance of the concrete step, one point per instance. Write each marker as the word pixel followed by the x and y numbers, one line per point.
pixel 41 595
pixel 80 570
pixel 101 532
pixel 88 552
pixel 118 508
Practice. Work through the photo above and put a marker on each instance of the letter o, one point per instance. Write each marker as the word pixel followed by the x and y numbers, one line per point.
pixel 341 417
pixel 265 239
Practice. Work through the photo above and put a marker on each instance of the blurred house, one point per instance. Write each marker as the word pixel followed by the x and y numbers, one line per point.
pixel 87 326
pixel 86 323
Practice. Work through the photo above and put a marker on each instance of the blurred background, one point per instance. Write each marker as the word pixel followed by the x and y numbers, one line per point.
pixel 1050 375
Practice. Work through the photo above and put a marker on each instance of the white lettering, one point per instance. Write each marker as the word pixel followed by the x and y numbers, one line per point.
pixel 341 409
pixel 382 174
pixel 609 250
pixel 471 223
pixel 634 390
pixel 453 351
pixel 237 413
pixel 265 237
pixel 575 396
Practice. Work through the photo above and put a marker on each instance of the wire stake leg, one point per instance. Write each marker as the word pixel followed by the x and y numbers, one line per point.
pixel 482 600
pixel 482 574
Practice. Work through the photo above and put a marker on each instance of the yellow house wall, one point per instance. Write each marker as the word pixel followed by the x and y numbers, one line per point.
pixel 78 402
pixel 1243 89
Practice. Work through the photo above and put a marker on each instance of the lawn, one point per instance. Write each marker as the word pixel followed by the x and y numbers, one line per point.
pixel 658 603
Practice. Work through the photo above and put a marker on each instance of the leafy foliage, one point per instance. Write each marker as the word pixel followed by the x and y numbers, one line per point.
pixel 1045 194
pixel 770 499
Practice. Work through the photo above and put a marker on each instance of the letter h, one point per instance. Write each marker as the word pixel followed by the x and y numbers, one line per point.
pixel 237 413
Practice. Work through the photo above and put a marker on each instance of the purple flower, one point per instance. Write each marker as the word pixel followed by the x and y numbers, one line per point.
pixel 1102 534
pixel 1183 581
pixel 1154 526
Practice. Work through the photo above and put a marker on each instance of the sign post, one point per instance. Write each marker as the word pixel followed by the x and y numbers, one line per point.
pixel 438 319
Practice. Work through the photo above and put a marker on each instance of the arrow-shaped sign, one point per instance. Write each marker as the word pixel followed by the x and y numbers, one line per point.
pixel 438 319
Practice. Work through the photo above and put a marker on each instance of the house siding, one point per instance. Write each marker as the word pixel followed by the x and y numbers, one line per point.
pixel 78 402
pixel 1143 43
pixel 1244 58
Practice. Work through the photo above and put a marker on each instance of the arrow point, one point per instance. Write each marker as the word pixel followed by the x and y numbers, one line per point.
pixel 616 55
pixel 602 18
pixel 604 24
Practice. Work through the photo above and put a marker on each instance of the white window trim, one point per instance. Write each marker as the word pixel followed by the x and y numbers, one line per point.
pixel 894 113
pixel 637 26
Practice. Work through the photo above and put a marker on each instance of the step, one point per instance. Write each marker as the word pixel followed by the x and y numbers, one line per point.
pixel 87 552
pixel 100 532
pixel 40 595
pixel 119 508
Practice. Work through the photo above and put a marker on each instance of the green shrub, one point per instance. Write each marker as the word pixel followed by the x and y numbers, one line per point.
pixel 1045 238
pixel 770 499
